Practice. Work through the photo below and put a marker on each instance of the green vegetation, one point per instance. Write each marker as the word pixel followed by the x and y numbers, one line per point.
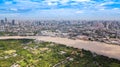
pixel 7 33
pixel 30 53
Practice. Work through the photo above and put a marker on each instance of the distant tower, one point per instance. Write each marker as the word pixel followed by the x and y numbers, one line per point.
pixel 2 21
pixel 5 20
pixel 106 25
pixel 39 23
pixel 13 22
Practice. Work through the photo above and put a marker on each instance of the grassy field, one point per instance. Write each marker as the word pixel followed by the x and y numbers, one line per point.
pixel 30 53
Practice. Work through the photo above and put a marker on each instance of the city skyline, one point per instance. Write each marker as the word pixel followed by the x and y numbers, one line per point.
pixel 60 9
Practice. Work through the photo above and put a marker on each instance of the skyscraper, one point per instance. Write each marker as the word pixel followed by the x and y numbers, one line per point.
pixel 2 22
pixel 13 22
pixel 5 20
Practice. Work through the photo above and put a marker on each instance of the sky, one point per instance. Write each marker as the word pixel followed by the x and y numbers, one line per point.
pixel 60 9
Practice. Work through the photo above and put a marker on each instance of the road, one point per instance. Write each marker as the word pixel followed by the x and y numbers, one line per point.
pixel 112 51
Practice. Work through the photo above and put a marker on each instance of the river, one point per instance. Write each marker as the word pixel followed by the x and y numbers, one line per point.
pixel 112 51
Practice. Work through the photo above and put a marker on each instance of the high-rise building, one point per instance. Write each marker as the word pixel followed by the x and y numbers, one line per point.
pixel 13 22
pixel 5 20
pixel 2 21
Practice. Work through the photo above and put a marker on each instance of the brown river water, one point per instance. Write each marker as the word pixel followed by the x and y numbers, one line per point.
pixel 112 51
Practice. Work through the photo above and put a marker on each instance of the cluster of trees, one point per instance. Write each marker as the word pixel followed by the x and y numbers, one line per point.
pixel 52 56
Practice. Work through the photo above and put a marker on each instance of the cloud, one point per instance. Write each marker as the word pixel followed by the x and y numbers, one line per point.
pixel 9 2
pixel 116 8
pixel 52 3
pixel 56 4
pixel 81 0
pixel 78 12
pixel 106 3
pixel 13 9
pixel 53 7
pixel 64 1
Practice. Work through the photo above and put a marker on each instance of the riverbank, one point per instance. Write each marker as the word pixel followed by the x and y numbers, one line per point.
pixel 112 51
